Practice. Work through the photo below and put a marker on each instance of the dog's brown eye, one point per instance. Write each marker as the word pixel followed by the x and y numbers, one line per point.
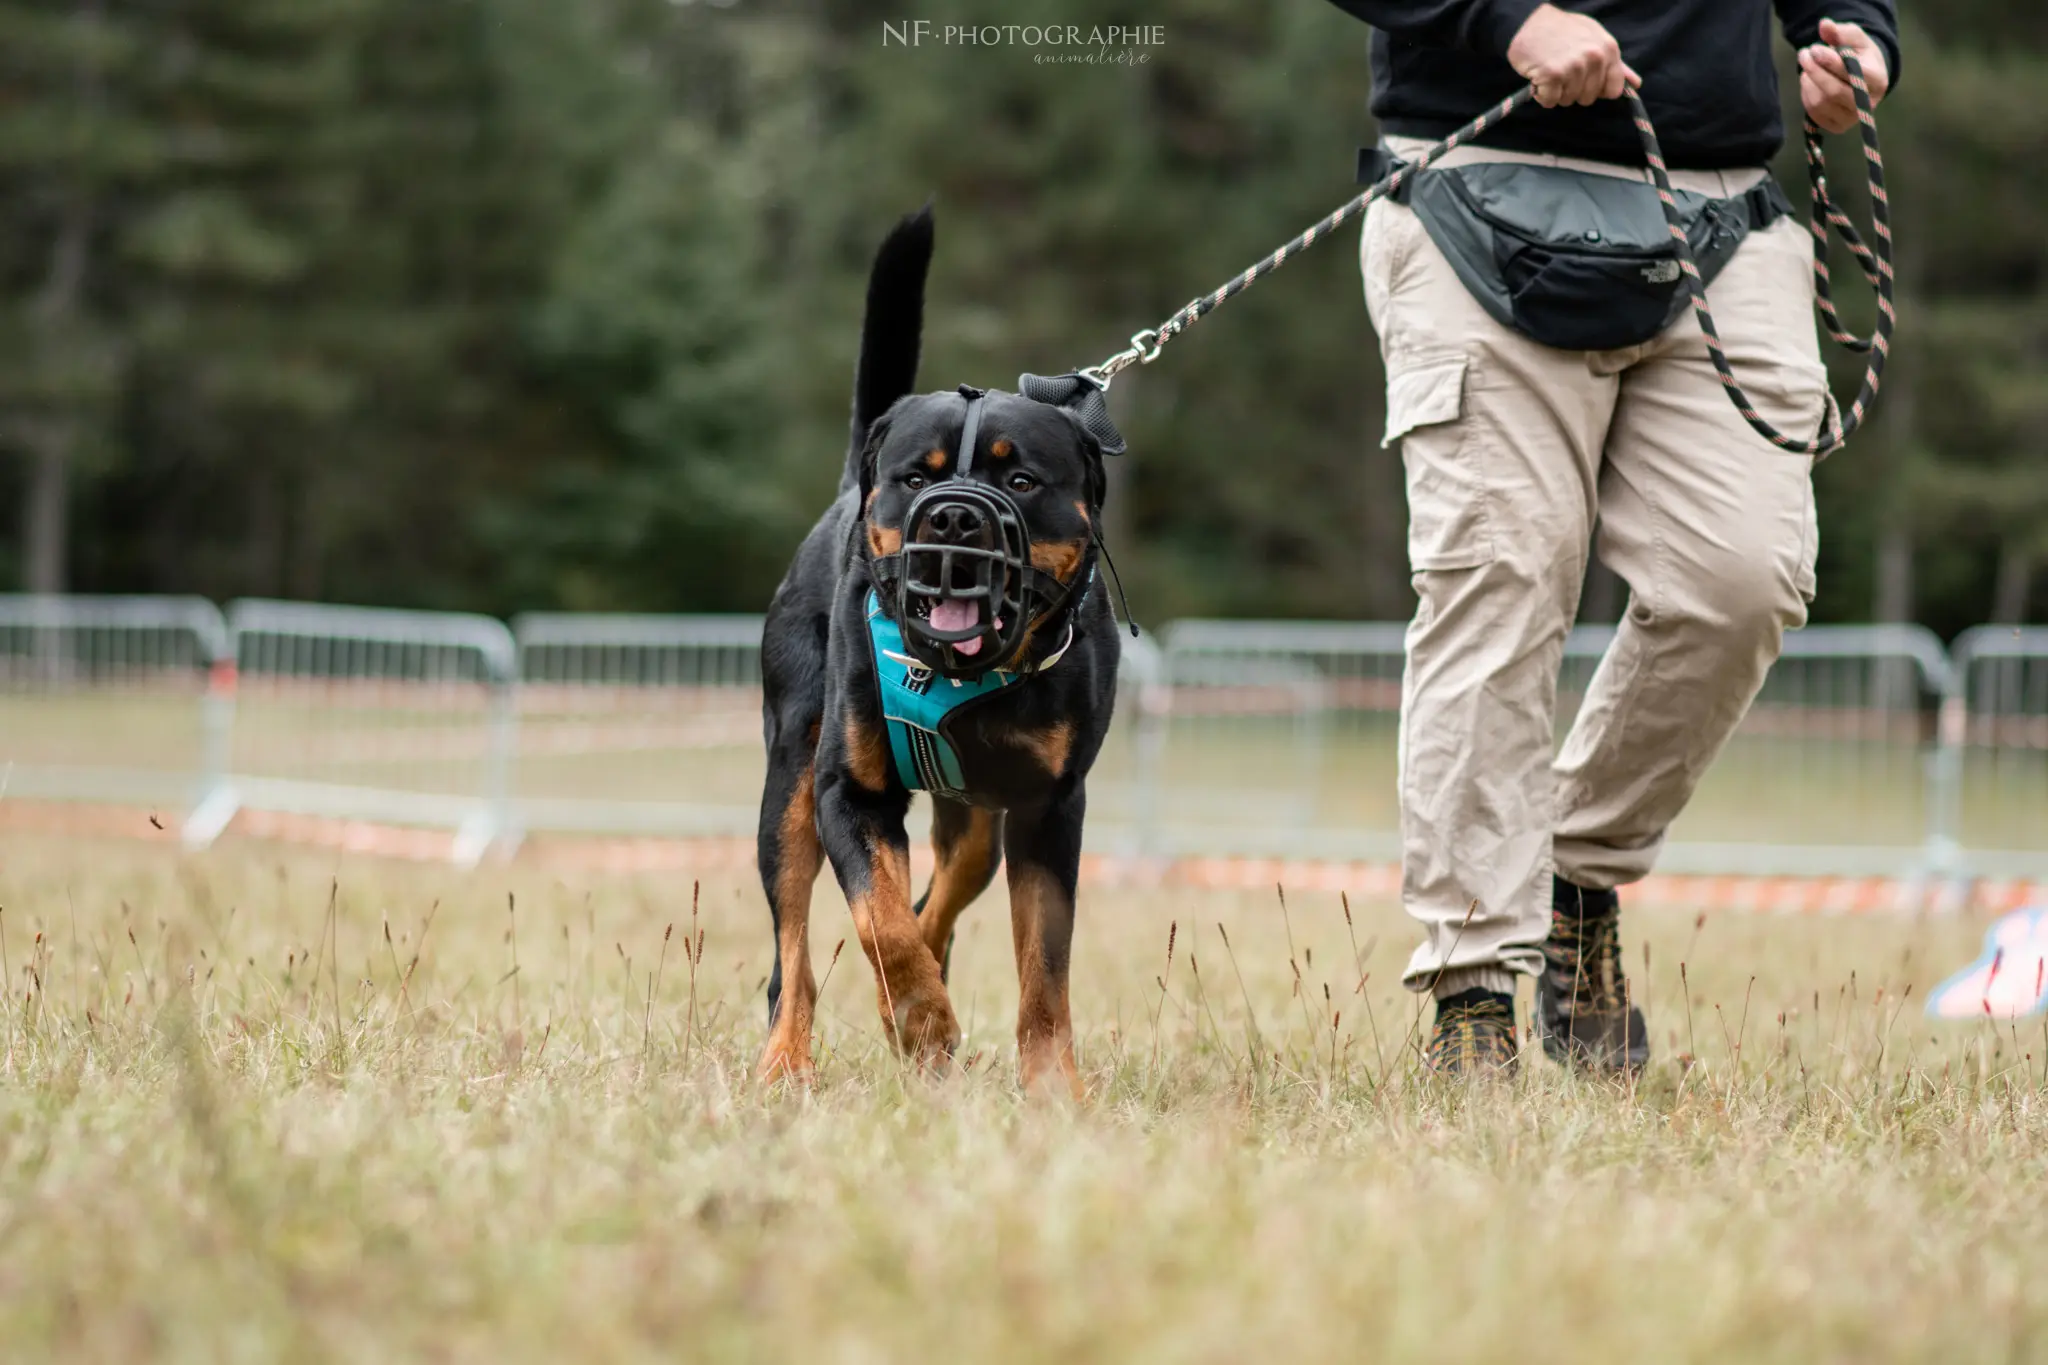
pixel 1022 483
pixel 913 481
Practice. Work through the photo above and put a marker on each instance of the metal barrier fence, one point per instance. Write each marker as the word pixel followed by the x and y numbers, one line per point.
pixel 1281 741
pixel 372 714
pixel 110 699
pixel 1871 750
pixel 652 725
pixel 639 724
pixel 1997 743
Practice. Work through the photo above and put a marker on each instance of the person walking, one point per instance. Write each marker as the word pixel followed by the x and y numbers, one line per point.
pixel 1538 398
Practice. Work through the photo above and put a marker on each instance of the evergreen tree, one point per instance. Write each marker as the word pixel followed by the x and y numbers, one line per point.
pixel 672 319
pixel 1980 486
pixel 511 303
pixel 70 142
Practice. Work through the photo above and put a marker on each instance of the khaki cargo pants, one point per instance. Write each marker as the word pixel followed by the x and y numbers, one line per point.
pixel 1513 452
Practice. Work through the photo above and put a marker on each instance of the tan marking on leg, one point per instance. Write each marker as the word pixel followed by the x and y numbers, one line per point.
pixel 1059 558
pixel 912 999
pixel 962 870
pixel 867 754
pixel 788 1051
pixel 1045 1028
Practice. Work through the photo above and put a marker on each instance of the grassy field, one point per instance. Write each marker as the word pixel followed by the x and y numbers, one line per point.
pixel 266 1106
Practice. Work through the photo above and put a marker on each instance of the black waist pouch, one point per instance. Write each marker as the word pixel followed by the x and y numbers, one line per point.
pixel 1574 259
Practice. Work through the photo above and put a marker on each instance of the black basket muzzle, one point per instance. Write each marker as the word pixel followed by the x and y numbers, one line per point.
pixel 963 589
pixel 963 586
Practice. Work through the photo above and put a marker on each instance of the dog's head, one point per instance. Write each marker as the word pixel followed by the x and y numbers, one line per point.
pixel 973 564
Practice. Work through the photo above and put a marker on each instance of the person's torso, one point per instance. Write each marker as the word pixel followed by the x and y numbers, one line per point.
pixel 1708 82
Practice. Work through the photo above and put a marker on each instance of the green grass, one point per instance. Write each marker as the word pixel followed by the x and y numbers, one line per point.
pixel 237 1126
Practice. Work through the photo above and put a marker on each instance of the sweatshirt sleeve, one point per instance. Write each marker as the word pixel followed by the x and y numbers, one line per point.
pixel 1475 25
pixel 1878 18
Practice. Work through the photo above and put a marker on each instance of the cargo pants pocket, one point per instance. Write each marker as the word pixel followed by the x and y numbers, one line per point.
pixel 1448 526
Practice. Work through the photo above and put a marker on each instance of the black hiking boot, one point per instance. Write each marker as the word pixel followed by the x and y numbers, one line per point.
pixel 1474 1035
pixel 1583 1011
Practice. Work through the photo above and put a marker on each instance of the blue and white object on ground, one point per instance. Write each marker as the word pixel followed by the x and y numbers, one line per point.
pixel 2009 980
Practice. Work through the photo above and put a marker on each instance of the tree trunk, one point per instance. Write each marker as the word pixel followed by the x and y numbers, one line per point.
pixel 263 562
pixel 1895 682
pixel 302 541
pixel 46 518
pixel 2015 579
pixel 1894 600
pixel 45 515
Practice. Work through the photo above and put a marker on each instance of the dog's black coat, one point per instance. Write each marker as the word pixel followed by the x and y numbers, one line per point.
pixel 1026 750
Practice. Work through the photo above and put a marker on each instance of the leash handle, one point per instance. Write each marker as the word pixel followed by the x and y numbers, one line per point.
pixel 1875 262
pixel 1836 426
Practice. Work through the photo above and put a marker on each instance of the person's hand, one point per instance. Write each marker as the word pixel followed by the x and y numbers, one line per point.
pixel 1824 82
pixel 1571 59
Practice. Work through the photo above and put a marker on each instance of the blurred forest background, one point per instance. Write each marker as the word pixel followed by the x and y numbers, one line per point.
pixel 510 304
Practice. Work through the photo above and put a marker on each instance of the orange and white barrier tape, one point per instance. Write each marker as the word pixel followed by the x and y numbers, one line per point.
pixel 735 855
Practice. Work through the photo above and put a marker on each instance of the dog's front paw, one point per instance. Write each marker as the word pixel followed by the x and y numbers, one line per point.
pixel 1046 1070
pixel 923 1025
pixel 785 1062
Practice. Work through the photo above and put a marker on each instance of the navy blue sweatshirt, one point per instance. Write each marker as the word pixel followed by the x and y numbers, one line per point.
pixel 1708 77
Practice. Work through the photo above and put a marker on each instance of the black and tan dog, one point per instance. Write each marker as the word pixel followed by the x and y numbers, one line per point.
pixel 921 578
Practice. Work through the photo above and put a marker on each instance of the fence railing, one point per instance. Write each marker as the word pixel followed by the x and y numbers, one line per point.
pixel 112 699
pixel 639 724
pixel 652 725
pixel 1871 750
pixel 1282 741
pixel 372 714
pixel 1998 750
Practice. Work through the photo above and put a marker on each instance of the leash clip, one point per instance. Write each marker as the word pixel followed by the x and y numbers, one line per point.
pixel 1143 350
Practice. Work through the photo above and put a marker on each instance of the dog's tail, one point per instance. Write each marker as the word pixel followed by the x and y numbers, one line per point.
pixel 890 332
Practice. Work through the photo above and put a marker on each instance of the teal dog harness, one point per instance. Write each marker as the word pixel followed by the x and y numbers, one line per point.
pixel 917 703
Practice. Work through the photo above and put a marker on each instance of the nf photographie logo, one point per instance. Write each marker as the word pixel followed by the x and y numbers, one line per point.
pixel 1048 44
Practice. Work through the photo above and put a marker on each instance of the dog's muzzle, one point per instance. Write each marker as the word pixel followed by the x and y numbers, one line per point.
pixel 963 589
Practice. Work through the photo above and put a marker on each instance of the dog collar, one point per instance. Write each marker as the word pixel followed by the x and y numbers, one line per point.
pixel 909 661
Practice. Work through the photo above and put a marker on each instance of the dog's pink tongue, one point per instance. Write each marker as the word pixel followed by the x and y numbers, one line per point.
pixel 953 614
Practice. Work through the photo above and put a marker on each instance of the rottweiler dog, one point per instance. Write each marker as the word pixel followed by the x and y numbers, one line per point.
pixel 918 579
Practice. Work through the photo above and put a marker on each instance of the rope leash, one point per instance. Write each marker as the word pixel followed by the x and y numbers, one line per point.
pixel 1876 264
pixel 1145 345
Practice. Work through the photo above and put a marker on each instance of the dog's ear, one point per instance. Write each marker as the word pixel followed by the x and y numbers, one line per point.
pixel 1091 457
pixel 870 455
